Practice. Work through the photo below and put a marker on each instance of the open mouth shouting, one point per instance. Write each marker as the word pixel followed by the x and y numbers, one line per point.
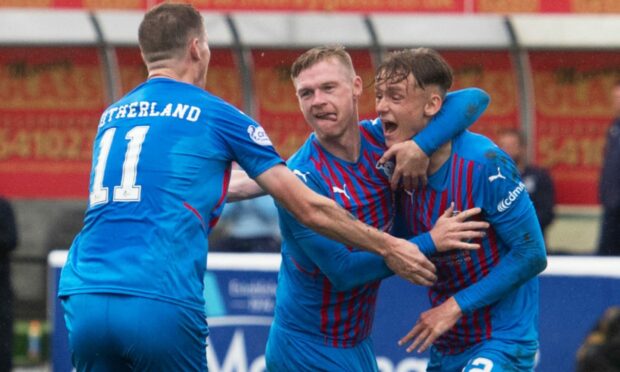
pixel 389 127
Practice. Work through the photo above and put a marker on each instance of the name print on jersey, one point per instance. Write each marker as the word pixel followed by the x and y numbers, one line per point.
pixel 142 109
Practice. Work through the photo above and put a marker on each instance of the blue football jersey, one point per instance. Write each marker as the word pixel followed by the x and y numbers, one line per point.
pixel 479 174
pixel 161 165
pixel 337 314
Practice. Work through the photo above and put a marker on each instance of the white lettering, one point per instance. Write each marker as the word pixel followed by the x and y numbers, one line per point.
pixel 103 118
pixel 132 110
pixel 112 111
pixel 179 111
pixel 236 359
pixel 122 112
pixel 512 196
pixel 252 288
pixel 167 110
pixel 144 109
pixel 194 113
pixel 236 356
pixel 149 109
pixel 153 112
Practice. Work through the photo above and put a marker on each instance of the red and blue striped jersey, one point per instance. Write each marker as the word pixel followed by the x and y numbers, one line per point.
pixel 495 286
pixel 326 290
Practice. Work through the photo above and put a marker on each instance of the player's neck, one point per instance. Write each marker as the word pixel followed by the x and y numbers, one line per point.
pixel 175 69
pixel 439 158
pixel 163 72
pixel 346 147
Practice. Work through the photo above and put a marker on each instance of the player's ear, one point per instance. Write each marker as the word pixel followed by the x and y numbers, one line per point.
pixel 433 104
pixel 357 86
pixel 194 49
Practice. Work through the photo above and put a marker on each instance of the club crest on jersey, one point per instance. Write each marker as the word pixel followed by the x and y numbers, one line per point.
pixel 387 168
pixel 258 135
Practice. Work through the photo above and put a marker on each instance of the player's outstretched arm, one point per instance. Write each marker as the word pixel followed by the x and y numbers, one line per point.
pixel 459 111
pixel 327 218
pixel 242 187
pixel 345 269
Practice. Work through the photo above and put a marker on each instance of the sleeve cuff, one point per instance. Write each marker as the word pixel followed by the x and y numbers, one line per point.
pixel 424 145
pixel 425 244
pixel 464 304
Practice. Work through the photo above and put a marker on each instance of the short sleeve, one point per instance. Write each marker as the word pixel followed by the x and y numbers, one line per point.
pixel 244 139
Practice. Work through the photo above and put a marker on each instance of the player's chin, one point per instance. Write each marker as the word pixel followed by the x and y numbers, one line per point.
pixel 391 139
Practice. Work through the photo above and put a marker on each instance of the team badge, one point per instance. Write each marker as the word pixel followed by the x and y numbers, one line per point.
pixel 387 168
pixel 258 135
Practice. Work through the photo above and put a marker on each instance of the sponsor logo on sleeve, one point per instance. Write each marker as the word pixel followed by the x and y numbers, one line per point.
pixel 512 196
pixel 258 135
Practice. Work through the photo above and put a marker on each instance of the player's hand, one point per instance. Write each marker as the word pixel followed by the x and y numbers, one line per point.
pixel 411 165
pixel 406 260
pixel 453 231
pixel 432 324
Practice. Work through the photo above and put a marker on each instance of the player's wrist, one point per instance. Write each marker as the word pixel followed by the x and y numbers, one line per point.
pixel 389 246
pixel 454 307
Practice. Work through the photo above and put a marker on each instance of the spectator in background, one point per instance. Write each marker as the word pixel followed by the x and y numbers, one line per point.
pixel 609 187
pixel 536 179
pixel 601 350
pixel 249 226
pixel 8 242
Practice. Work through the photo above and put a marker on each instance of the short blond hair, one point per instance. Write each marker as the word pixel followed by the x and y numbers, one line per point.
pixel 315 55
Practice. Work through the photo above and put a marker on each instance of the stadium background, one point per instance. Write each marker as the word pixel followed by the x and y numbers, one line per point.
pixel 547 64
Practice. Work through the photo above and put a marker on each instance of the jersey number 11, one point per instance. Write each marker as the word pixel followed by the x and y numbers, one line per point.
pixel 128 191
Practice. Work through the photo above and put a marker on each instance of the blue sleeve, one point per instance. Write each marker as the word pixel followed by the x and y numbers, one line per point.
pixel 245 141
pixel 425 244
pixel 460 110
pixel 344 268
pixel 507 207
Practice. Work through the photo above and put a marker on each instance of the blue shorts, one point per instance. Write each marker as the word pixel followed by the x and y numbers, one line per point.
pixel 488 356
pixel 110 332
pixel 292 351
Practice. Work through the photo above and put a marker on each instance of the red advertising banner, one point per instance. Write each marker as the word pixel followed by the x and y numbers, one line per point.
pixel 278 109
pixel 265 5
pixel 573 112
pixel 546 6
pixel 223 78
pixel 493 72
pixel 50 102
pixel 418 6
